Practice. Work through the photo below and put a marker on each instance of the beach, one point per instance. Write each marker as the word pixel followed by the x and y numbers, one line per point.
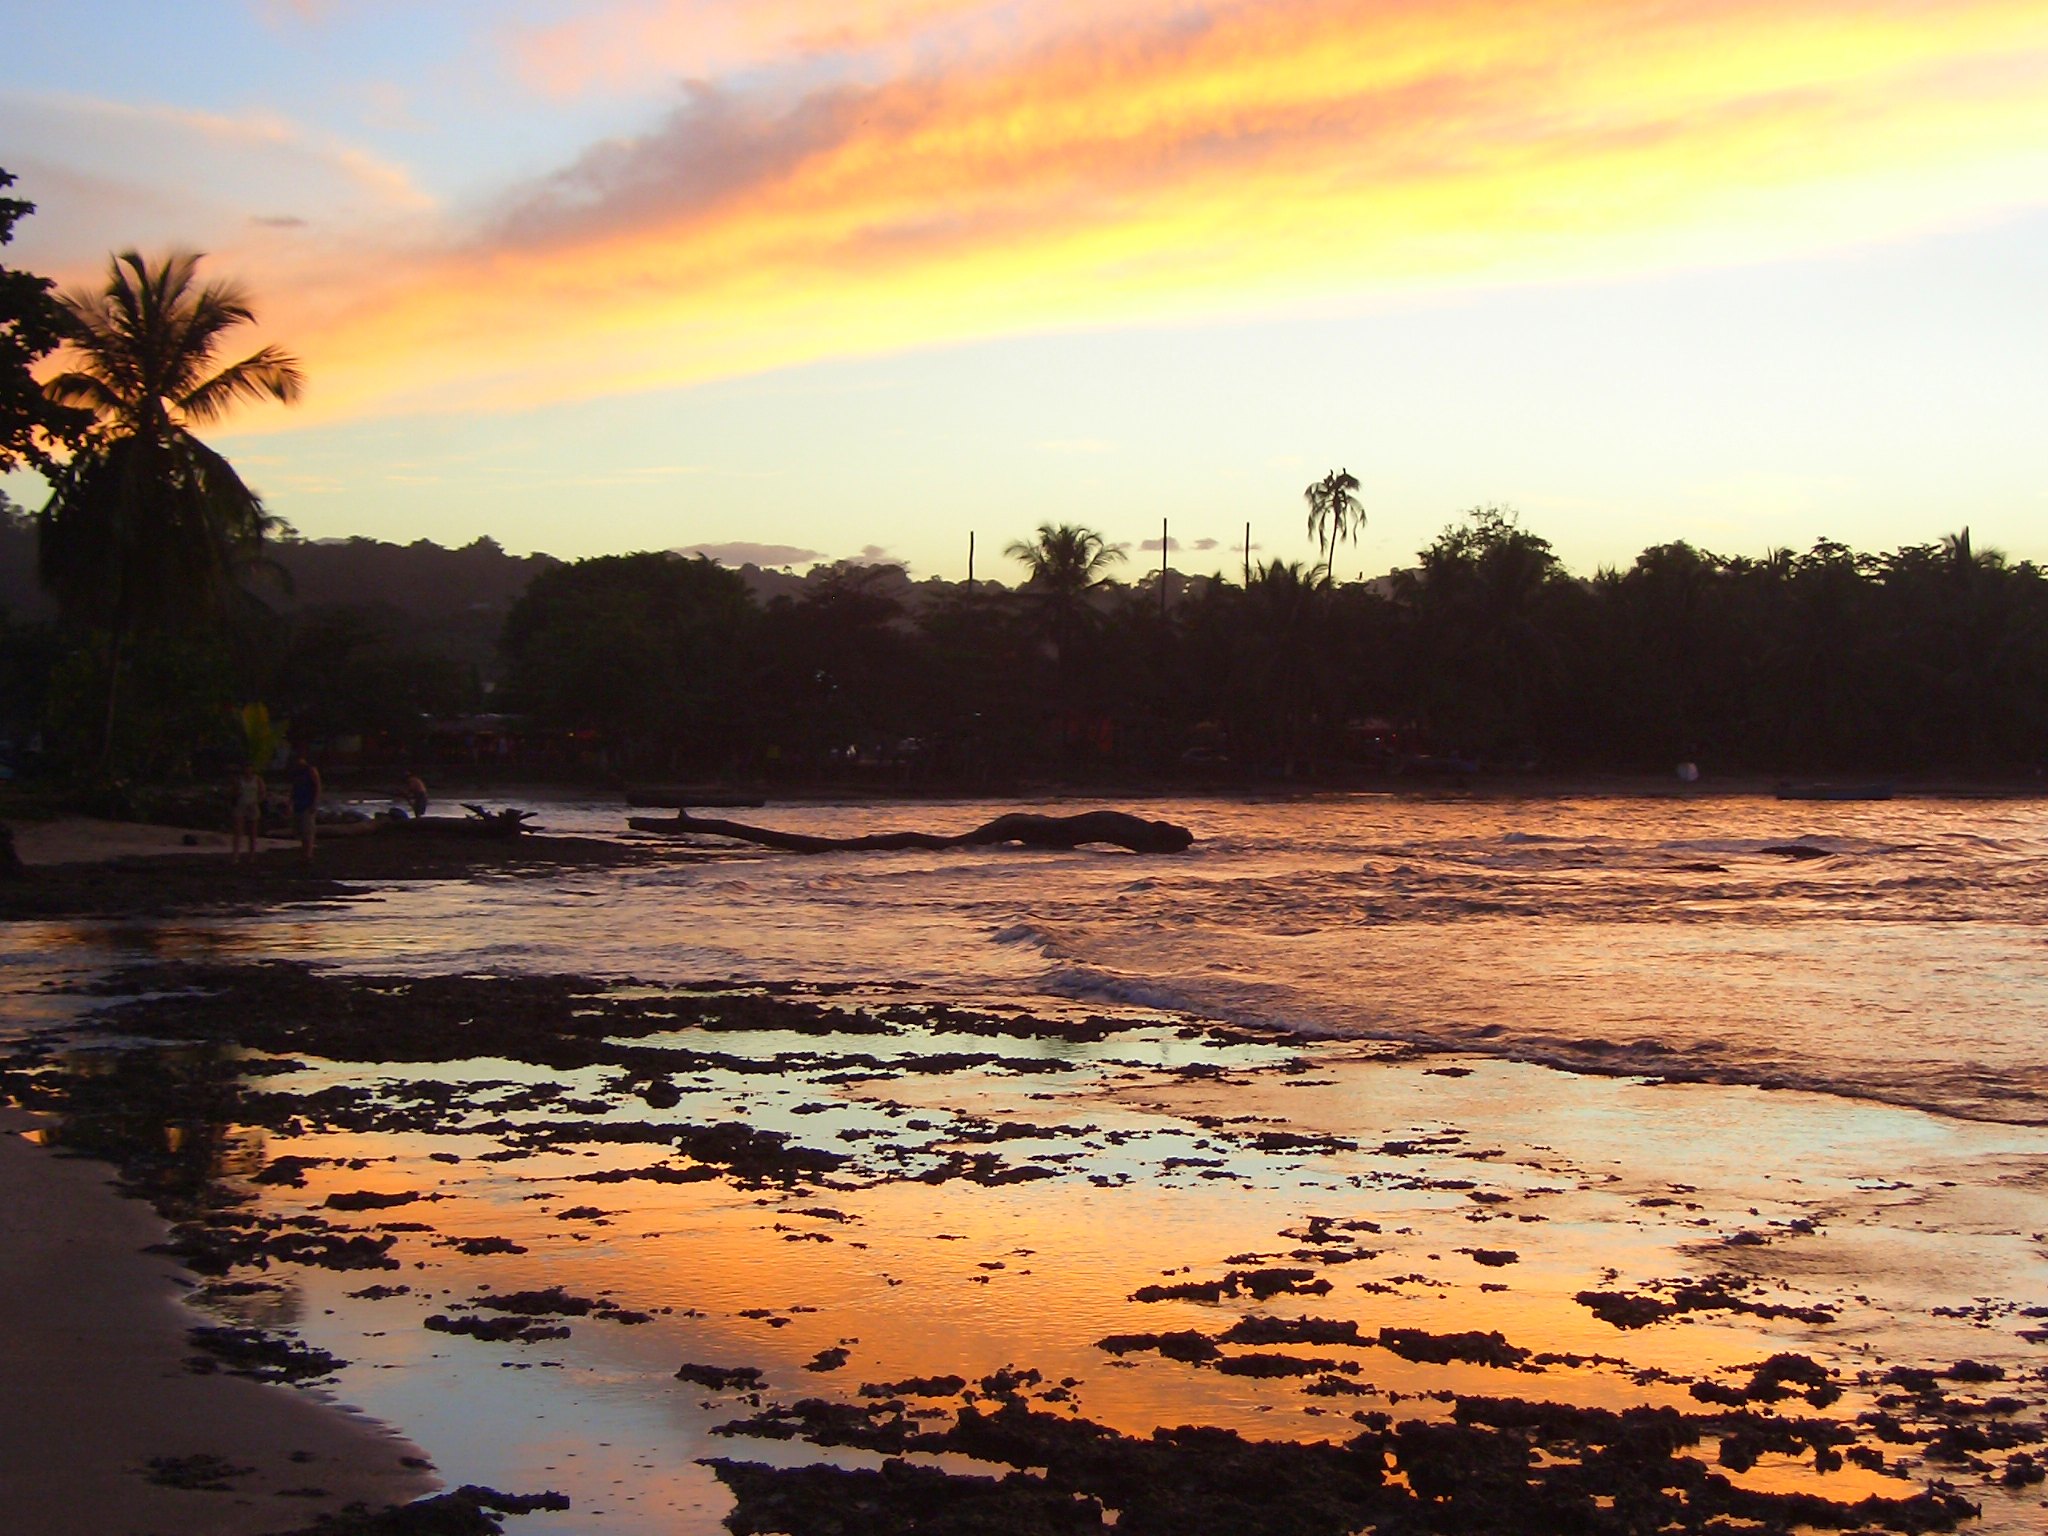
pixel 104 1428
pixel 1379 1165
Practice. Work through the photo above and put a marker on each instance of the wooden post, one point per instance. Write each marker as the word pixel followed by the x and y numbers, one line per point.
pixel 1247 557
pixel 970 560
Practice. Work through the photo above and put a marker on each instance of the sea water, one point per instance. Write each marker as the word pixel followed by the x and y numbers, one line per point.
pixel 1901 954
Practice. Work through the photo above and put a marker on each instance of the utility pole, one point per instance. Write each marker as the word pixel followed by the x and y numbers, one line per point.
pixel 970 560
pixel 1247 557
pixel 1162 568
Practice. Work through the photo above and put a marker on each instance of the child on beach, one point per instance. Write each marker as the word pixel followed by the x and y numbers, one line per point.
pixel 248 811
pixel 415 793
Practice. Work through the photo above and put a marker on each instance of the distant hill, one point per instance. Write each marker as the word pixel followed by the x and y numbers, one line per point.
pixel 453 601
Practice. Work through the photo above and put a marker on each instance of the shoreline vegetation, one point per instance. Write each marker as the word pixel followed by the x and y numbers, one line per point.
pixel 1486 658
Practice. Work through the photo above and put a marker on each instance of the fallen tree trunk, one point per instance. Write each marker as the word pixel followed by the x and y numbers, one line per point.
pixel 1115 827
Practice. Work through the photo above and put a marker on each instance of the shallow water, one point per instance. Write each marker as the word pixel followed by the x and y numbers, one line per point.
pixel 1894 990
pixel 1661 936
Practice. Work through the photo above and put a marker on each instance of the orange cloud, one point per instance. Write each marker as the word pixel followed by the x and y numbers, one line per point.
pixel 1184 161
pixel 644 40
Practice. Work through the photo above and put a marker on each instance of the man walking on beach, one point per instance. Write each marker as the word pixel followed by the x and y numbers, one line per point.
pixel 305 802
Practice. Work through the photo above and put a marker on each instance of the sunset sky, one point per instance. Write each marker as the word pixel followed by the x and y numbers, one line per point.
pixel 814 278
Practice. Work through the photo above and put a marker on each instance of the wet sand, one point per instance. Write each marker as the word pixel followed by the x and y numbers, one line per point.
pixel 81 869
pixel 665 1249
pixel 103 1428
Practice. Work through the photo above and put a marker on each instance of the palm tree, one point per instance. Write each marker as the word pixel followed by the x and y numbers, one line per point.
pixel 1335 515
pixel 147 526
pixel 1066 560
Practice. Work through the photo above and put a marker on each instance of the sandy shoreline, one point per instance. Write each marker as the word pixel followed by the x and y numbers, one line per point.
pixel 94 1377
pixel 94 1385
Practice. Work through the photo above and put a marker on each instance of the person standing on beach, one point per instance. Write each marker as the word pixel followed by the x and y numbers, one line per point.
pixel 248 812
pixel 305 802
pixel 415 793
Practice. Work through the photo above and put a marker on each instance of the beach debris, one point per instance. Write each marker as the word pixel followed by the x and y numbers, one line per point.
pixel 471 1510
pixel 1774 1380
pixel 1269 1365
pixel 371 1200
pixel 1117 828
pixel 722 1378
pixel 916 1386
pixel 1188 1344
pixel 1297 1330
pixel 497 1330
pixel 508 822
pixel 260 1356
pixel 198 1473
pixel 1499 1464
pixel 1259 1284
pixel 1475 1348
pixel 1492 1258
pixel 897 1498
pixel 289 1171
pixel 1624 1309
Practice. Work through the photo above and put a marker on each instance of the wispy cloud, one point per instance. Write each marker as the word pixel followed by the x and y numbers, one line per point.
pixel 744 553
pixel 910 172
pixel 629 44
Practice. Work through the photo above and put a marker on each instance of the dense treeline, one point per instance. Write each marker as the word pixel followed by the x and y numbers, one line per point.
pixel 1929 659
pixel 1932 658
pixel 354 637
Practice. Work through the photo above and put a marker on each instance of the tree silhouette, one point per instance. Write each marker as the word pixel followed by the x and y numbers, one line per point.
pixel 649 648
pixel 1335 515
pixel 1066 562
pixel 147 526
pixel 31 326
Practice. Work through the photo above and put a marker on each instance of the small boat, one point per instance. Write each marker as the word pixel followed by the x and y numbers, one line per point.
pixel 1876 789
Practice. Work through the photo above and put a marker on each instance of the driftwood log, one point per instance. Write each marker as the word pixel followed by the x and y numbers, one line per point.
pixel 1115 827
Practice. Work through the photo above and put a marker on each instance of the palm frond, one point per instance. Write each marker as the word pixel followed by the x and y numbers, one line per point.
pixel 84 389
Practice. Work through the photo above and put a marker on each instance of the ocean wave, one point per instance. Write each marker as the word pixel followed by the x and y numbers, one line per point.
pixel 1034 936
pixel 1972 1090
